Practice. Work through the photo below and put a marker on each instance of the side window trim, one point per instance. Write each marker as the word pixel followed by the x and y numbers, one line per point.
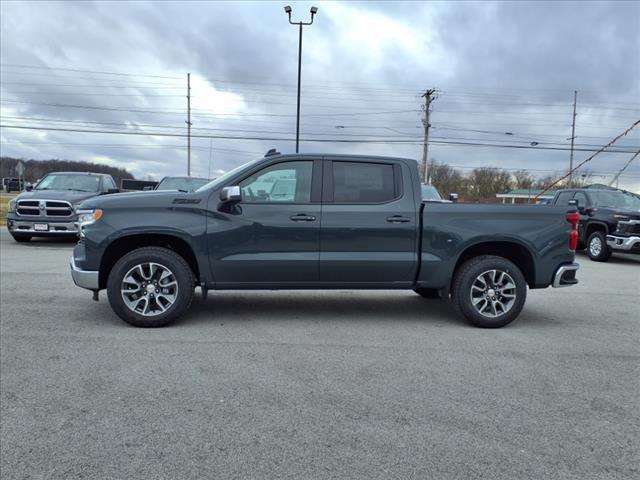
pixel 314 182
pixel 328 186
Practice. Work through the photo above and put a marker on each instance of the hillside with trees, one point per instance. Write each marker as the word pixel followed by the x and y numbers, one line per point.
pixel 36 169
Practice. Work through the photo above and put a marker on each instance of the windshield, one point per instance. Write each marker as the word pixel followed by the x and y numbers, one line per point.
pixel 80 183
pixel 188 184
pixel 221 180
pixel 616 199
pixel 429 192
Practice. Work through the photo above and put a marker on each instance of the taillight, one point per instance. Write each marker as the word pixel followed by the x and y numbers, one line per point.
pixel 573 218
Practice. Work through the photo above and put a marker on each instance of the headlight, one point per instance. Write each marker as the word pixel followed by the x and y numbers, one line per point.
pixel 12 206
pixel 87 217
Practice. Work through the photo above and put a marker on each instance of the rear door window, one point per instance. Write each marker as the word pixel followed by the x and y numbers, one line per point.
pixel 360 182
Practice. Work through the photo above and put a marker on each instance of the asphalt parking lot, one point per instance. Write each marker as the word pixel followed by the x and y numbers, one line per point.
pixel 306 385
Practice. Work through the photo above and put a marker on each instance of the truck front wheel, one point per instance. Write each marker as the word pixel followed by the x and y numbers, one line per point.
pixel 597 247
pixel 150 287
pixel 489 291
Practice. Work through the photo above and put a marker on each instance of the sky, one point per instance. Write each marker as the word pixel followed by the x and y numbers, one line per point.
pixel 504 75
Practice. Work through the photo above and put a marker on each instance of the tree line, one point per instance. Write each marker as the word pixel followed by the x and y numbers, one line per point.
pixel 36 169
pixel 482 184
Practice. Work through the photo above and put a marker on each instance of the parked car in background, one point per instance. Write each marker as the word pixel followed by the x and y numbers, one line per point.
pixel 12 184
pixel 184 184
pixel 319 222
pixel 609 220
pixel 48 209
pixel 429 192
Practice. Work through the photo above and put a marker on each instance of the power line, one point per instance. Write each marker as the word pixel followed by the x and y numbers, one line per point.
pixel 551 185
pixel 43 67
pixel 280 139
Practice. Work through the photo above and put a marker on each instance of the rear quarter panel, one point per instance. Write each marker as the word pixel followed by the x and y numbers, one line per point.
pixel 450 229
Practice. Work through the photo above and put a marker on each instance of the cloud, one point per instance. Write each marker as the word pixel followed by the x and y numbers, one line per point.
pixel 500 67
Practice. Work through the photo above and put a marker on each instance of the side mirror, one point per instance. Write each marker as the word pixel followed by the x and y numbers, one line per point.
pixel 28 188
pixel 148 188
pixel 231 194
pixel 453 197
pixel 113 190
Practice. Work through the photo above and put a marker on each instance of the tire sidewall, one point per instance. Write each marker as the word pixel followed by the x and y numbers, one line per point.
pixel 467 276
pixel 164 257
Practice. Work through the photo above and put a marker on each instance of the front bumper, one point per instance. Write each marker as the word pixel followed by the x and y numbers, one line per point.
pixel 565 276
pixel 67 227
pixel 88 279
pixel 624 244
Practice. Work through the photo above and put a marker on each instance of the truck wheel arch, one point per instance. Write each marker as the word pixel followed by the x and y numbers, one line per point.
pixel 123 245
pixel 594 227
pixel 515 252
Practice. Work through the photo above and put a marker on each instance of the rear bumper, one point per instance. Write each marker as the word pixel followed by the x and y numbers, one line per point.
pixel 624 244
pixel 84 278
pixel 565 276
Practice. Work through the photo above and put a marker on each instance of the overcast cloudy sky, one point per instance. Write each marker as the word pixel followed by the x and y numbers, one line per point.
pixel 505 73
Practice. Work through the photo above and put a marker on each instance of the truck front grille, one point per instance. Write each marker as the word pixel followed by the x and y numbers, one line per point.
pixel 44 208
pixel 629 227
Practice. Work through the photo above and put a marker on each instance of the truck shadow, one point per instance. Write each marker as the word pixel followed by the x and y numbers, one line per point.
pixel 227 307
pixel 616 258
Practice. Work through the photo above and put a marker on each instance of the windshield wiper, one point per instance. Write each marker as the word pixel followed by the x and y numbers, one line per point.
pixel 77 190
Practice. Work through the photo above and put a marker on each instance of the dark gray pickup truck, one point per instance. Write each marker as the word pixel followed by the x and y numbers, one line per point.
pixel 48 209
pixel 319 222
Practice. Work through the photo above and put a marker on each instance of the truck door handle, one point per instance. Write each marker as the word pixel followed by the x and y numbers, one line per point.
pixel 398 219
pixel 303 217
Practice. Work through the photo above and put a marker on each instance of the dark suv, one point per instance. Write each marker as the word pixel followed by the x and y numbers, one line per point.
pixel 609 220
pixel 48 209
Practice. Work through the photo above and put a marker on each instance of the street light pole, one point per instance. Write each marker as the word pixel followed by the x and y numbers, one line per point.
pixel 288 11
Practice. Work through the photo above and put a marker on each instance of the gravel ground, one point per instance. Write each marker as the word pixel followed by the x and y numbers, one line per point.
pixel 306 385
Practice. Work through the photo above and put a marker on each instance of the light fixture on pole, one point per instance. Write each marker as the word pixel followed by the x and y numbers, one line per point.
pixel 288 11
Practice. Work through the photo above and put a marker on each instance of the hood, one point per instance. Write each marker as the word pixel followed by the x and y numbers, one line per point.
pixel 631 213
pixel 70 196
pixel 142 199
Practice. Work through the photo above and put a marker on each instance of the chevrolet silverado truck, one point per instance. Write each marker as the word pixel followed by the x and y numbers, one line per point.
pixel 48 209
pixel 349 222
pixel 609 220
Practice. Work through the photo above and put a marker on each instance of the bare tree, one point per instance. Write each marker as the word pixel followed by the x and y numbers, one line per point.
pixel 523 179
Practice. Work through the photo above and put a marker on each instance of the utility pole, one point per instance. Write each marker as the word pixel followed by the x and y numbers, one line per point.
pixel 188 122
pixel 428 98
pixel 573 137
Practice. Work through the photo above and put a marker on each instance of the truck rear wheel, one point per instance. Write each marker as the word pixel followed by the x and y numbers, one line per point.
pixel 489 291
pixel 150 287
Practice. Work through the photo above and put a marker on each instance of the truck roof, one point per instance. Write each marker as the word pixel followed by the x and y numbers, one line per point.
pixel 344 156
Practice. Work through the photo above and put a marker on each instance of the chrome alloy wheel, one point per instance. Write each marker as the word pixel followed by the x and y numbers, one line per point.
pixel 149 289
pixel 493 293
pixel 595 246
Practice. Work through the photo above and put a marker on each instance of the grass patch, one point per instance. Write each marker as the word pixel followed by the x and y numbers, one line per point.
pixel 4 205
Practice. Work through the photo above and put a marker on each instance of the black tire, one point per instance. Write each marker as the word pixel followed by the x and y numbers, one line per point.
pixel 427 292
pixel 21 238
pixel 165 257
pixel 597 247
pixel 464 279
